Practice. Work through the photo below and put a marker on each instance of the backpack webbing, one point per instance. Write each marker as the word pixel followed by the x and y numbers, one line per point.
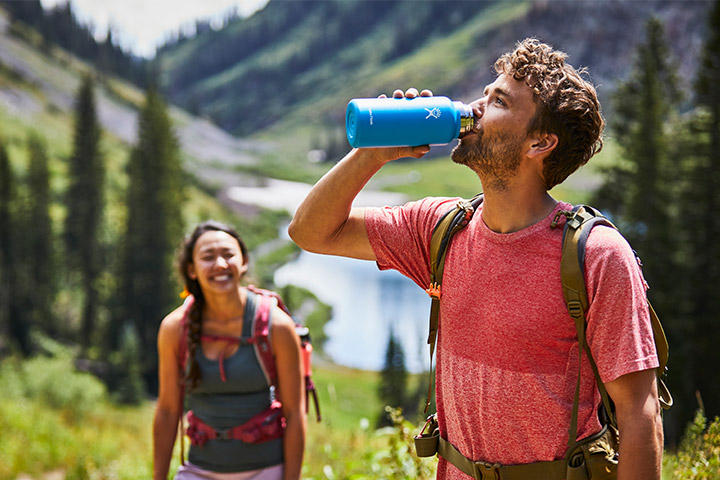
pixel 577 228
pixel 579 222
pixel 260 340
pixel 446 227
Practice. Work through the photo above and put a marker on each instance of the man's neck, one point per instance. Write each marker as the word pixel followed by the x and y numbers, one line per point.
pixel 512 208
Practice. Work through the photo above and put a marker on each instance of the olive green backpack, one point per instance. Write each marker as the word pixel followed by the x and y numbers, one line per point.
pixel 593 457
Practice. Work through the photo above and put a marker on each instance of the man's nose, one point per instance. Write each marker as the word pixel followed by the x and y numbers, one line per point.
pixel 478 106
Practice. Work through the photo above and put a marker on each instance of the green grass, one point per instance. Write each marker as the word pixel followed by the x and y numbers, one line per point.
pixel 55 419
pixel 84 435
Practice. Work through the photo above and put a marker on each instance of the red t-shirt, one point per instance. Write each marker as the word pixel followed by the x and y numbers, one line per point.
pixel 507 357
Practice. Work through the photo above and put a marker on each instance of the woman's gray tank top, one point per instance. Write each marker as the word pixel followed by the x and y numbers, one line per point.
pixel 222 405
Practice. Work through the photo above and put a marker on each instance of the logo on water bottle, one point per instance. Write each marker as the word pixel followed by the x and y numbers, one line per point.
pixel 433 112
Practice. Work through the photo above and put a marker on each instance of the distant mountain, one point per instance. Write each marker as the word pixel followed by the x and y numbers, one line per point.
pixel 38 85
pixel 295 64
pixel 59 26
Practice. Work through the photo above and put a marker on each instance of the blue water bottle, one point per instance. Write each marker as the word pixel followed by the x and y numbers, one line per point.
pixel 399 122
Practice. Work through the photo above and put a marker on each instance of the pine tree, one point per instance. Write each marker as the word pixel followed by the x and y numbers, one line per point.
pixel 154 229
pixel 640 193
pixel 39 234
pixel 393 378
pixel 644 104
pixel 6 230
pixel 700 204
pixel 130 389
pixel 85 202
pixel 33 285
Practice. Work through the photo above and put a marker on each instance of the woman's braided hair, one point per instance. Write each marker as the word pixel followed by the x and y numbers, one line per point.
pixel 568 105
pixel 184 260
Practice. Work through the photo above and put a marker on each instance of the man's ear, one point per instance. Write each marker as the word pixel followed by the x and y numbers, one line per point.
pixel 542 144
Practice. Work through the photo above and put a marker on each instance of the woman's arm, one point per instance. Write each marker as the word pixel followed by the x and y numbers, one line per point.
pixel 286 345
pixel 169 405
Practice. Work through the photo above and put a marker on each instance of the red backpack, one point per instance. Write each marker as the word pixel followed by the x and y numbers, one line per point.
pixel 266 425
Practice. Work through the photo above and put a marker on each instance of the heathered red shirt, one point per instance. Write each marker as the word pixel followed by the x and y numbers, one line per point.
pixel 507 348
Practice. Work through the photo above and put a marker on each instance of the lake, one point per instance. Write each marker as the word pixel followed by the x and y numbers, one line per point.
pixel 367 305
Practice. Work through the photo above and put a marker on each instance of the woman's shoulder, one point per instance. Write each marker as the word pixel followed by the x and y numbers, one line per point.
pixel 170 325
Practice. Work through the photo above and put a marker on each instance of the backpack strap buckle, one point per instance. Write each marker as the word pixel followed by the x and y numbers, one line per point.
pixel 467 206
pixel 575 309
pixel 486 471
pixel 434 290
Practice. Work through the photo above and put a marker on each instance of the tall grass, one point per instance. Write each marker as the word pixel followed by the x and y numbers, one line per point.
pixel 56 420
pixel 53 418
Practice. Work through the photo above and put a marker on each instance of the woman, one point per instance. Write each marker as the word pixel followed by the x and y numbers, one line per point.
pixel 225 385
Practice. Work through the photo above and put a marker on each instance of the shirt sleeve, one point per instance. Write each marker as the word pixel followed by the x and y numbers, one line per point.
pixel 619 331
pixel 400 236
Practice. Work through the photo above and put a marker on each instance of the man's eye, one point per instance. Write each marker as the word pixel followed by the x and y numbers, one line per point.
pixel 499 101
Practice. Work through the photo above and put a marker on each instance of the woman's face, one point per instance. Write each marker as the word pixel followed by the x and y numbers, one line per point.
pixel 217 262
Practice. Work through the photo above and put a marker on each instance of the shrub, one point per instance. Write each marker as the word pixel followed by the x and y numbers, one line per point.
pixel 698 457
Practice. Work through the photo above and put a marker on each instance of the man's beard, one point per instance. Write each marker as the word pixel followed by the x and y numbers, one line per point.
pixel 495 159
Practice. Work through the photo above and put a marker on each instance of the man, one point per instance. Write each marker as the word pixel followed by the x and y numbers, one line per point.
pixel 507 349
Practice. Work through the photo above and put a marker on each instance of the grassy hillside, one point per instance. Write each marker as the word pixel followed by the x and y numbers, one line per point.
pixel 290 69
pixel 37 93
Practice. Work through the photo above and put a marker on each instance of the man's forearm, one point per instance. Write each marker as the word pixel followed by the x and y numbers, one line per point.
pixel 327 207
pixel 641 447
pixel 325 221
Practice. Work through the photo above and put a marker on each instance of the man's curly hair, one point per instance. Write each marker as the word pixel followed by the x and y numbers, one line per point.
pixel 567 105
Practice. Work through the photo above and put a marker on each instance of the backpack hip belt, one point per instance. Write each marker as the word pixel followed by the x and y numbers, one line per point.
pixel 592 457
pixel 265 426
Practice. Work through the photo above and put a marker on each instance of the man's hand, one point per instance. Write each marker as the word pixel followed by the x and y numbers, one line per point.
pixel 388 154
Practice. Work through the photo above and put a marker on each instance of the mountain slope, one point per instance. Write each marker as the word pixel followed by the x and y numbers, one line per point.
pixel 38 87
pixel 296 64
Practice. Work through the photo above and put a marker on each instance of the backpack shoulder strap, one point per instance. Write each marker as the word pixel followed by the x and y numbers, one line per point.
pixel 269 299
pixel 261 334
pixel 183 346
pixel 448 225
pixel 577 228
pixel 578 225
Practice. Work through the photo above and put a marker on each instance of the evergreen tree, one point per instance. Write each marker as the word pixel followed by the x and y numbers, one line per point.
pixel 154 229
pixel 6 230
pixel 84 202
pixel 39 235
pixel 130 389
pixel 700 204
pixel 33 286
pixel 641 186
pixel 393 378
pixel 639 193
